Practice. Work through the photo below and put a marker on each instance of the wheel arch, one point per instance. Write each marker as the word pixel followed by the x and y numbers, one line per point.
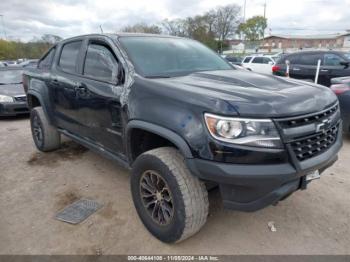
pixel 35 99
pixel 160 131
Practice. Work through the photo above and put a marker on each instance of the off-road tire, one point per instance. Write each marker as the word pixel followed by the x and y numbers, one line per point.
pixel 189 194
pixel 50 137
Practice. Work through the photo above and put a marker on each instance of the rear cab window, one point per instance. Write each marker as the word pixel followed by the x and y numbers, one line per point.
pixel 69 56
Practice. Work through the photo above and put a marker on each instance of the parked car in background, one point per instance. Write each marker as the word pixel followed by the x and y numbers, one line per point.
pixel 259 64
pixel 29 63
pixel 341 87
pixel 10 63
pixel 234 60
pixel 303 65
pixel 13 100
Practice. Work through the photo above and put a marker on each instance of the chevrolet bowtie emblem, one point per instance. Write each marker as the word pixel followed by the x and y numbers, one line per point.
pixel 323 126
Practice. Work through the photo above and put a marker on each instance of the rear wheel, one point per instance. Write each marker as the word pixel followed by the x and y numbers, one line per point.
pixel 45 136
pixel 172 204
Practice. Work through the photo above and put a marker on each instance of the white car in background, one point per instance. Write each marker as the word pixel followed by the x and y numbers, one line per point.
pixel 259 64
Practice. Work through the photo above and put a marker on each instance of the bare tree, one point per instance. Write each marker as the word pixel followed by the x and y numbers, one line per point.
pixel 50 39
pixel 142 28
pixel 175 27
pixel 226 21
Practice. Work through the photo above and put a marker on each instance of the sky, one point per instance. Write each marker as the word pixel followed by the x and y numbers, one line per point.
pixel 26 19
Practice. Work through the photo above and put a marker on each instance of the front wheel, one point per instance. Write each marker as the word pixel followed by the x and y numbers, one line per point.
pixel 172 203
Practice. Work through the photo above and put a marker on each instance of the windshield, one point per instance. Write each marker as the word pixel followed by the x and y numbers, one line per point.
pixel 166 57
pixel 10 76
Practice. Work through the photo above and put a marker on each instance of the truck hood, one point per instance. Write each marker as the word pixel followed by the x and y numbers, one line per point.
pixel 252 94
pixel 11 89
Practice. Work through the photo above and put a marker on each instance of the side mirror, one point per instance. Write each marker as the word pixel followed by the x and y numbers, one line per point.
pixel 270 63
pixel 345 64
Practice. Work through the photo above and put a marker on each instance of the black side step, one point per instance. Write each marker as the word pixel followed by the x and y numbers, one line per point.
pixel 98 149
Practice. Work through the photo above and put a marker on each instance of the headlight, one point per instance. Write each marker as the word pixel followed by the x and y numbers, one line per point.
pixel 6 99
pixel 243 131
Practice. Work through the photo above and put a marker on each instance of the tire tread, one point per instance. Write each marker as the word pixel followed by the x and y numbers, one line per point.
pixel 194 193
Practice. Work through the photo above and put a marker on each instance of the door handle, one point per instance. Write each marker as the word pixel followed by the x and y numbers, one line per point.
pixel 324 70
pixel 296 69
pixel 80 87
pixel 55 82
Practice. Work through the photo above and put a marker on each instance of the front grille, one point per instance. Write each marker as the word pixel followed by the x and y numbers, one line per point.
pixel 311 146
pixel 21 98
pixel 308 119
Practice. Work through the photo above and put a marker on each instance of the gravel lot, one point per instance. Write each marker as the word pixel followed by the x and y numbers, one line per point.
pixel 35 186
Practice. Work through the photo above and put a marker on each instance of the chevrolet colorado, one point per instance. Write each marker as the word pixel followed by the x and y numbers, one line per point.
pixel 181 118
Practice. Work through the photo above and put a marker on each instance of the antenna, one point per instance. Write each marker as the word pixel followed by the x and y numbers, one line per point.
pixel 101 29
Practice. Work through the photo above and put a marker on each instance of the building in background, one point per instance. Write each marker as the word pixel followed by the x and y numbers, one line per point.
pixel 290 42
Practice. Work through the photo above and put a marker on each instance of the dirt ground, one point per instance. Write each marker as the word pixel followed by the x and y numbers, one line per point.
pixel 35 186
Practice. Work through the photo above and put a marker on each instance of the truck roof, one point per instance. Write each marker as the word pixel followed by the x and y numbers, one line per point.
pixel 122 34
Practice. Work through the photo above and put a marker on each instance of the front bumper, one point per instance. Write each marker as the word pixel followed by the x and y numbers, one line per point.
pixel 13 109
pixel 252 187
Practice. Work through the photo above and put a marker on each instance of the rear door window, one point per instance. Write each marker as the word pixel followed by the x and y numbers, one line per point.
pixel 101 63
pixel 69 56
pixel 310 59
pixel 293 59
pixel 267 60
pixel 258 60
pixel 45 63
pixel 247 59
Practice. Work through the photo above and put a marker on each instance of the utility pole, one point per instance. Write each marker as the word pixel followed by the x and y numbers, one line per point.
pixel 244 8
pixel 242 37
pixel 3 26
pixel 264 17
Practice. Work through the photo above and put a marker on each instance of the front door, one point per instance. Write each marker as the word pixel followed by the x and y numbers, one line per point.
pixel 335 66
pixel 98 95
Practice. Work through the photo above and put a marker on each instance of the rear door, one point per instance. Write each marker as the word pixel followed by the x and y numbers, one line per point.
pixel 63 87
pixel 304 66
pixel 98 94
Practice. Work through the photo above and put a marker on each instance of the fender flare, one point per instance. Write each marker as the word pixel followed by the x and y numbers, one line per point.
pixel 173 137
pixel 38 96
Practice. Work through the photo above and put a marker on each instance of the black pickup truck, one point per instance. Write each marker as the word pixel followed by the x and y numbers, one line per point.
pixel 183 119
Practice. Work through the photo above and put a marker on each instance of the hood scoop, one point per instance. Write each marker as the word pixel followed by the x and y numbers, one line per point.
pixel 224 79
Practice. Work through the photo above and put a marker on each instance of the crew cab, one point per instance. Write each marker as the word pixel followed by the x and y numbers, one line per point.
pixel 182 119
